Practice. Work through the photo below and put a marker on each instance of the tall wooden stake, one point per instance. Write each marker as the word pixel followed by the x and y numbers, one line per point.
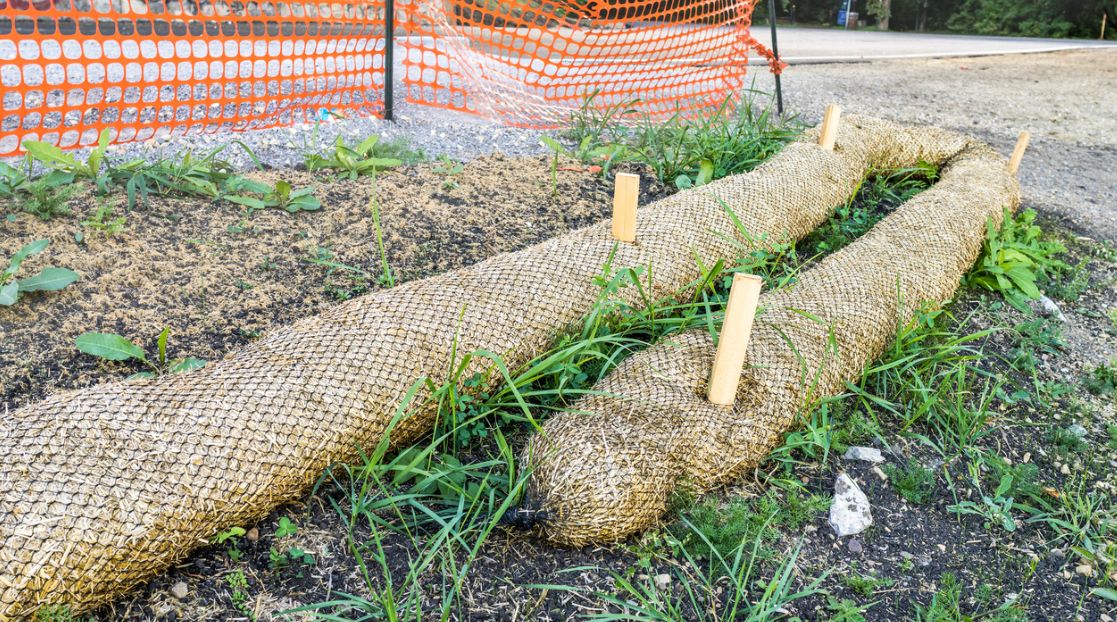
pixel 734 338
pixel 1018 153
pixel 625 195
pixel 830 127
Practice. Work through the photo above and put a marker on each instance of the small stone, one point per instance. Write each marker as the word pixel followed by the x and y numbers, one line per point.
pixel 1056 556
pixel 663 581
pixel 640 577
pixel 253 534
pixel 1076 430
pixel 850 512
pixel 880 474
pixel 942 547
pixel 1027 458
pixel 1085 570
pixel 180 590
pixel 1065 469
pixel 868 454
pixel 906 555
pixel 854 546
pixel 1105 618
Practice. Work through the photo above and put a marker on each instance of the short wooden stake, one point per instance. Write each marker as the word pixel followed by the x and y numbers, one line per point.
pixel 625 195
pixel 830 127
pixel 1018 153
pixel 734 338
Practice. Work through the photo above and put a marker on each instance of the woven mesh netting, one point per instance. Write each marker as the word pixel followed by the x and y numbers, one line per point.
pixel 147 68
pixel 104 487
pixel 608 467
pixel 530 63
pixel 151 68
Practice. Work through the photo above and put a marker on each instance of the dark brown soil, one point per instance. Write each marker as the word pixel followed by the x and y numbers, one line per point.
pixel 218 277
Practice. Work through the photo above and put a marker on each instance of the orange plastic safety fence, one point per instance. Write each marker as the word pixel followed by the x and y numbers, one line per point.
pixel 148 68
pixel 530 63
pixel 144 69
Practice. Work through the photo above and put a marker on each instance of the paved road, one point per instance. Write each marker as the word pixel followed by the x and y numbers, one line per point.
pixel 823 45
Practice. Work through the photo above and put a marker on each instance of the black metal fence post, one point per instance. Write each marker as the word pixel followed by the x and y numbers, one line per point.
pixel 389 44
pixel 775 51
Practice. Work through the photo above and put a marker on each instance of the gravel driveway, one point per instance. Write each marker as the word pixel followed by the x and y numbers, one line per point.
pixel 1067 100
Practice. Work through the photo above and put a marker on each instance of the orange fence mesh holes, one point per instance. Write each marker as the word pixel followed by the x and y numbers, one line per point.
pixel 144 69
pixel 149 68
pixel 530 63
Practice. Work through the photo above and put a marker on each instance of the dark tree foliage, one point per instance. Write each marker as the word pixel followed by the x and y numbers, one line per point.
pixel 1028 18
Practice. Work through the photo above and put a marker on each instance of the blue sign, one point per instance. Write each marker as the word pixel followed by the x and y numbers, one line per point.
pixel 842 17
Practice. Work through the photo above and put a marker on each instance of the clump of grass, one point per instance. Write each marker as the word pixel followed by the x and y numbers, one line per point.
pixel 862 584
pixel 725 526
pixel 1103 380
pixel 879 192
pixel 685 149
pixel 46 200
pixel 1065 442
pixel 912 481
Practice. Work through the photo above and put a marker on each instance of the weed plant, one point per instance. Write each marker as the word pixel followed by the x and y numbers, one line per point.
pixel 912 481
pixel 685 149
pixel 45 200
pixel 1013 258
pixel 49 280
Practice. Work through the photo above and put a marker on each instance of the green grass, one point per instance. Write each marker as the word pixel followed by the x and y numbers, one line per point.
pixel 947 605
pixel 729 141
pixel 912 481
pixel 863 585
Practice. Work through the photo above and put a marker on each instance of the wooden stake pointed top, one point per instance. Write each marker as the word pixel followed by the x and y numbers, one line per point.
pixel 1018 153
pixel 733 340
pixel 830 127
pixel 625 195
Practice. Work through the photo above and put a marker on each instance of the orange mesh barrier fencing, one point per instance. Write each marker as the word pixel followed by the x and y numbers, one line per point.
pixel 530 63
pixel 148 68
pixel 145 68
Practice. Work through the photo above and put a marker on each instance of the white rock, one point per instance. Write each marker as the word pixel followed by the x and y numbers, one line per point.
pixel 663 581
pixel 180 590
pixel 850 513
pixel 868 454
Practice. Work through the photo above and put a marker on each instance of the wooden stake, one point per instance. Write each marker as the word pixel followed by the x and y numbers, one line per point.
pixel 625 194
pixel 830 127
pixel 734 338
pixel 1018 153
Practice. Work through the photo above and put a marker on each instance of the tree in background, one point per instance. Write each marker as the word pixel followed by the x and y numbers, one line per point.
pixel 1029 18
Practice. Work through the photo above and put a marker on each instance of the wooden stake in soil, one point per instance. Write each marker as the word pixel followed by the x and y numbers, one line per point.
pixel 830 127
pixel 1018 153
pixel 734 338
pixel 626 192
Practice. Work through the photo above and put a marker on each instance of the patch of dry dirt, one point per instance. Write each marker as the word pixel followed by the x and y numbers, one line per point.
pixel 219 277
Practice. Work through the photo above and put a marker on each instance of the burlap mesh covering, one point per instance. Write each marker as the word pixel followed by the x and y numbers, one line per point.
pixel 608 468
pixel 104 487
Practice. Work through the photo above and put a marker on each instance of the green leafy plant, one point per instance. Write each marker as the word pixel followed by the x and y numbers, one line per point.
pixel 1103 379
pixel 12 179
pixel 55 158
pixel 116 348
pixel 351 163
pixel 100 220
pixel 238 583
pixel 448 167
pixel 862 584
pixel 45 199
pixel 281 196
pixel 286 528
pixel 1013 258
pixel 912 481
pixel 995 508
pixel 56 613
pixel 49 280
pixel 946 605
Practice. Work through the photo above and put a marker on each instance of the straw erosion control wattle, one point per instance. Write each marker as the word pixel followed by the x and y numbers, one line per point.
pixel 104 487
